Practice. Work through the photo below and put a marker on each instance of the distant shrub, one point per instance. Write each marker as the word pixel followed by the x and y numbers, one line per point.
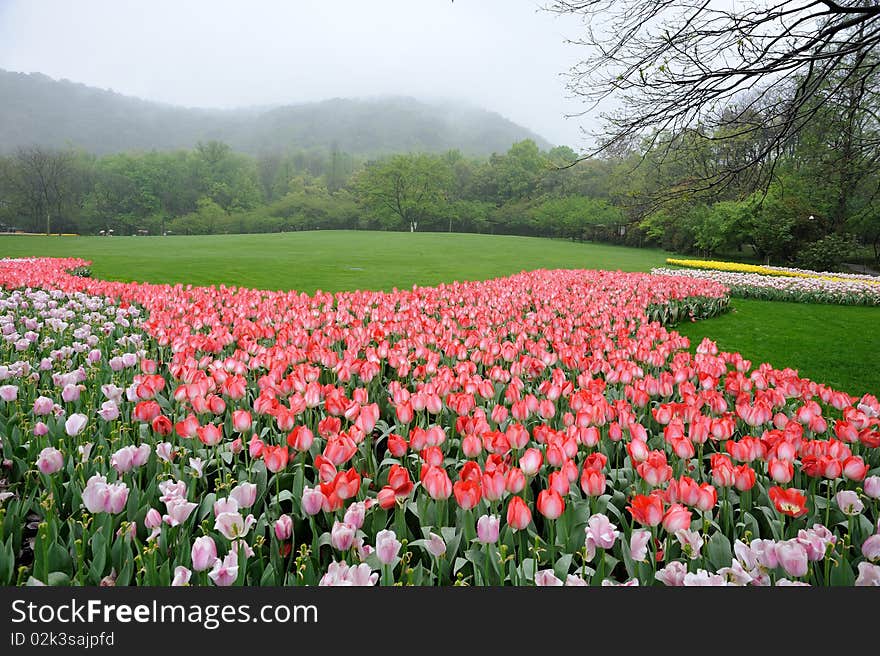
pixel 826 254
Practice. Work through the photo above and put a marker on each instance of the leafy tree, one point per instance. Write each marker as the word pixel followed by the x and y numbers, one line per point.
pixel 405 189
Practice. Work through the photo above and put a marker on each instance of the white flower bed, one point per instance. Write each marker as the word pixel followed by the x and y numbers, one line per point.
pixel 786 288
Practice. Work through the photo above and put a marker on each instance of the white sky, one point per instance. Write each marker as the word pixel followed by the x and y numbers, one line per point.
pixel 503 55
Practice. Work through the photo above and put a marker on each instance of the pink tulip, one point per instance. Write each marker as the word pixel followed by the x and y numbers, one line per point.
pixel 75 424
pixel 225 572
pixel 164 451
pixel 203 553
pixel 601 532
pixel 43 406
pixel 871 548
pixel 8 393
pixel 181 576
pixel 387 547
pixel 99 496
pixel 50 460
pixel 179 511
pixel 109 411
pixel 815 541
pixel 638 544
pixel 340 574
pixel 70 393
pixel 487 529
pixel 869 575
pixel 849 502
pixel 691 542
pixel 342 536
pixel 872 487
pixel 40 429
pixel 312 500
pixel 673 575
pixel 792 557
pixel 546 578
pixel 121 460
pixel 283 528
pixel 435 545
pixel 232 525
pixel 245 494
pixel 355 514
pixel 196 464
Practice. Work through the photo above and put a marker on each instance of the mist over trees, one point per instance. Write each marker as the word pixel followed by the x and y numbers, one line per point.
pixel 768 149
pixel 37 110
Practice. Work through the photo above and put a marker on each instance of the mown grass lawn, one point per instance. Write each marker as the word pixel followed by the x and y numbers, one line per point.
pixel 330 260
pixel 829 343
pixel 833 344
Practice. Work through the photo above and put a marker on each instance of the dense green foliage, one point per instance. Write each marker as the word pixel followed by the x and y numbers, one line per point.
pixel 214 190
pixel 55 114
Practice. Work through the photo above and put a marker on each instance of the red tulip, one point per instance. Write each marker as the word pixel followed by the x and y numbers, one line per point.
pixel 275 457
pixel 788 501
pixel 531 461
pixel 396 445
pixel 436 482
pixel 654 468
pixel 514 480
pixel 550 504
pixel 854 468
pixel 559 481
pixel 781 471
pixel 493 484
pixel 467 493
pixel 210 434
pixel 300 438
pixel 647 510
pixel 677 517
pixel 399 480
pixel 744 477
pixel 241 420
pixel 518 514
pixel 592 482
pixel 162 425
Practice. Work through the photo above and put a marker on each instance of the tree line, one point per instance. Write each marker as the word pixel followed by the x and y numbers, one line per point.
pixel 692 190
pixel 212 189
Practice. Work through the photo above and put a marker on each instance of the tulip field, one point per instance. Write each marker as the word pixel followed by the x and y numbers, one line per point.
pixel 545 428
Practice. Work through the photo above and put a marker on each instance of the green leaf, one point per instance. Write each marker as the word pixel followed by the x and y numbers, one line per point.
pixel 842 574
pixel 99 557
pixel 7 562
pixel 268 577
pixel 563 565
pixel 718 551
pixel 58 578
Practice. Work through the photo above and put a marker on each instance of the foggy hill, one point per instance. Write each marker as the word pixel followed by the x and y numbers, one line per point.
pixel 35 109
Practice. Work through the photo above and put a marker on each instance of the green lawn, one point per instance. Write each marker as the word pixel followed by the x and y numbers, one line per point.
pixel 327 260
pixel 829 343
pixel 833 344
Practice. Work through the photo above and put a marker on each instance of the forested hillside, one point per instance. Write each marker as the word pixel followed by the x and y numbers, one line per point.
pixel 37 110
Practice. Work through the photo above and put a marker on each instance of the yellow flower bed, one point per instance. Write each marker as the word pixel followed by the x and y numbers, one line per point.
pixel 757 268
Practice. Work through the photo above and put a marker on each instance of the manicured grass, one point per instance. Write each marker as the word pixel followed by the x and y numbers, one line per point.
pixel 833 344
pixel 327 260
pixel 829 343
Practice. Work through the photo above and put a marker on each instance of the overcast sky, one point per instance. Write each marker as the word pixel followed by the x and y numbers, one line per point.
pixel 503 55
